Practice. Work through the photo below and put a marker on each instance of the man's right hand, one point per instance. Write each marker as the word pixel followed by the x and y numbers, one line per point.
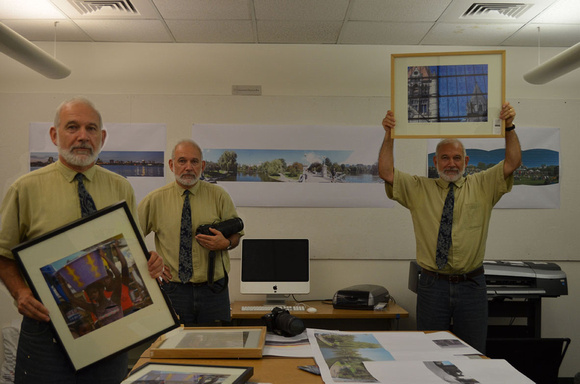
pixel 30 307
pixel 389 121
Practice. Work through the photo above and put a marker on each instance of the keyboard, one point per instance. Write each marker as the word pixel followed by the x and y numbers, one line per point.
pixel 268 308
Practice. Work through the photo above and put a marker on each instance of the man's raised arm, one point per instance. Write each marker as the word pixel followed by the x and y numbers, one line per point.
pixel 386 159
pixel 513 151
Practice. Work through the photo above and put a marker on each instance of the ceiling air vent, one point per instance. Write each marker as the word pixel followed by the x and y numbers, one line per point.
pixel 108 7
pixel 496 11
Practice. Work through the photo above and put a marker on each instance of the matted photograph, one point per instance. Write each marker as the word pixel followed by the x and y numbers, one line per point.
pixel 449 94
pixel 168 373
pixel 210 342
pixel 92 276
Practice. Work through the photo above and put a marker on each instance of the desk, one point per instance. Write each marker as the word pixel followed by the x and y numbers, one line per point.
pixel 328 317
pixel 278 370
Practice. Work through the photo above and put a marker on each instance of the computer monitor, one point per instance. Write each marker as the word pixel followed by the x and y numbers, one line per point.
pixel 275 267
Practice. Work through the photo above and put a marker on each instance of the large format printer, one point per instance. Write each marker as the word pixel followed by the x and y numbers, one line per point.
pixel 515 290
pixel 514 279
pixel 524 279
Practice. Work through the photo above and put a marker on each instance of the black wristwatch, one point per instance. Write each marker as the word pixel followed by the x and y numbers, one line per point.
pixel 510 128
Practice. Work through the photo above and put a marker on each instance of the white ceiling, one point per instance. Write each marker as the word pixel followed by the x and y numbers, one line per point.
pixel 364 22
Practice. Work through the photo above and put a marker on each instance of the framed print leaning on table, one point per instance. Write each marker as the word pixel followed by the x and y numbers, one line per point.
pixel 165 373
pixel 449 94
pixel 86 273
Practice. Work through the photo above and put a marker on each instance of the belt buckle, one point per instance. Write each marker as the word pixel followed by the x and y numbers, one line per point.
pixel 455 279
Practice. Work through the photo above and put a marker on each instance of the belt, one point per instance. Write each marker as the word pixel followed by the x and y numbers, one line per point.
pixel 189 283
pixel 197 284
pixel 454 278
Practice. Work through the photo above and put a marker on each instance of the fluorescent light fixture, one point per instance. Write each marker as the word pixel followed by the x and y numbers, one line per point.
pixel 22 50
pixel 557 66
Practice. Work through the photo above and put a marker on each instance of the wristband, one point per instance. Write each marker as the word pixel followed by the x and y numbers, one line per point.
pixel 229 246
pixel 510 128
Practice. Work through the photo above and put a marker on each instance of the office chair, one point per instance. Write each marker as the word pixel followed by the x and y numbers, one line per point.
pixel 537 358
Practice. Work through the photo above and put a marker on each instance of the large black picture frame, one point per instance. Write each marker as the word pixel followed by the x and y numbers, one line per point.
pixel 67 265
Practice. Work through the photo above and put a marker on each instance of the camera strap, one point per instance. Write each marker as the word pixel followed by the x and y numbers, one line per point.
pixel 211 270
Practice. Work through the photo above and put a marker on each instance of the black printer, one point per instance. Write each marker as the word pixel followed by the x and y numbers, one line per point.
pixel 364 296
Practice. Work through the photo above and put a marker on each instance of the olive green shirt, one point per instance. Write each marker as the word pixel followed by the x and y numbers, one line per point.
pixel 47 198
pixel 475 196
pixel 160 212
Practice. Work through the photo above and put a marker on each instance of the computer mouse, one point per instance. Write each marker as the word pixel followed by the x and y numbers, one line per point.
pixel 311 310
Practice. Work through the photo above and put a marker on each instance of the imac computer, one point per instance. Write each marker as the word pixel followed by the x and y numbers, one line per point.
pixel 276 268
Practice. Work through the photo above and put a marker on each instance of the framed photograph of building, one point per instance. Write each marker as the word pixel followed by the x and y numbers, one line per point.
pixel 164 373
pixel 92 276
pixel 449 94
pixel 210 342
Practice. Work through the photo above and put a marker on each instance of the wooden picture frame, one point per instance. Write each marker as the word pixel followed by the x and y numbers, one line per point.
pixel 188 373
pixel 71 268
pixel 448 94
pixel 210 342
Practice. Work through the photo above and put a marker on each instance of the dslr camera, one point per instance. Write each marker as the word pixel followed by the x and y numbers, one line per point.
pixel 282 323
pixel 228 227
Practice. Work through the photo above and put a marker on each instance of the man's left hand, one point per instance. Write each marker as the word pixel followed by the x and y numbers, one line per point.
pixel 508 114
pixel 214 243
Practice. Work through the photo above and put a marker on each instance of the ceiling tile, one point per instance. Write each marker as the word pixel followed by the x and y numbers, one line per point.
pixel 333 10
pixel 30 9
pixel 469 34
pixel 44 30
pixel 563 11
pixel 360 32
pixel 204 31
pixel 136 31
pixel 204 9
pixel 396 10
pixel 299 32
pixel 550 35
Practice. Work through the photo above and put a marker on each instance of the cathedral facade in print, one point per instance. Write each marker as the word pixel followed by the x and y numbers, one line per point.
pixel 448 93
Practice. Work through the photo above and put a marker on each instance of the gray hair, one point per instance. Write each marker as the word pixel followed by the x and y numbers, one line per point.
pixel 450 141
pixel 187 141
pixel 76 100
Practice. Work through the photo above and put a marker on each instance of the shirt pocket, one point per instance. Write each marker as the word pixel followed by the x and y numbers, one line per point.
pixel 474 216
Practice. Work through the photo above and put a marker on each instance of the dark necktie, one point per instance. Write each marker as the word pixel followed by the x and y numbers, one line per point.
pixel 444 237
pixel 87 203
pixel 185 241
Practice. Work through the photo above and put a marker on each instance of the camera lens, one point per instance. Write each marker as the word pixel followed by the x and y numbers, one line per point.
pixel 229 227
pixel 290 324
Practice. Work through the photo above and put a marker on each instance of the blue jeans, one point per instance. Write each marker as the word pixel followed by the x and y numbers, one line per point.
pixel 41 359
pixel 198 304
pixel 439 302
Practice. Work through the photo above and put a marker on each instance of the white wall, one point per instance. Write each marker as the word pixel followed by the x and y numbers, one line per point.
pixel 179 84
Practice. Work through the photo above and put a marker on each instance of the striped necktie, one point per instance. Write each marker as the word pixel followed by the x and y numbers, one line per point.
pixel 185 241
pixel 87 203
pixel 444 237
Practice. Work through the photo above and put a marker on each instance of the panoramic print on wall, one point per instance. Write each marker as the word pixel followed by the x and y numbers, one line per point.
pixel 294 166
pixel 140 161
pixel 536 181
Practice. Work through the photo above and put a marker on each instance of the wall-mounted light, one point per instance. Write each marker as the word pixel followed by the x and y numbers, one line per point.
pixel 555 67
pixel 22 50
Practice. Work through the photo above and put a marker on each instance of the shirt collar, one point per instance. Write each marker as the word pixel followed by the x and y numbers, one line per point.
pixel 70 174
pixel 180 190
pixel 444 184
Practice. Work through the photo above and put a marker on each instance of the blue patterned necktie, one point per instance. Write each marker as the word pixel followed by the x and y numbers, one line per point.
pixel 185 241
pixel 444 237
pixel 87 203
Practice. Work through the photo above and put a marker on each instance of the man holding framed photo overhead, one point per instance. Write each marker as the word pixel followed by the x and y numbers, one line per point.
pixel 47 199
pixel 451 217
